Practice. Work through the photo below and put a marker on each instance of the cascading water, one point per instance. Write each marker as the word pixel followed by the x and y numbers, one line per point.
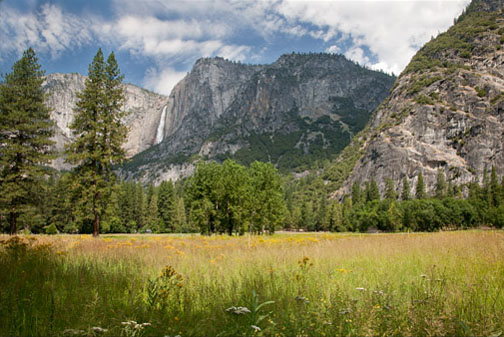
pixel 160 129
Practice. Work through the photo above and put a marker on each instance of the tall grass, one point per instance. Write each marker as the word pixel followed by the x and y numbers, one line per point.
pixel 283 285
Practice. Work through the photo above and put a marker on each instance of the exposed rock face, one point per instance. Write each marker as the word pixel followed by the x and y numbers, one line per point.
pixel 299 109
pixel 145 112
pixel 445 111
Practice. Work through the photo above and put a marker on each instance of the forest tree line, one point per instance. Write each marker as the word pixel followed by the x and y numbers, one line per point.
pixel 230 198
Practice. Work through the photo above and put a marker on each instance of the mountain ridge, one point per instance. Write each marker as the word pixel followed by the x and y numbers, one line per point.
pixel 301 107
pixel 444 112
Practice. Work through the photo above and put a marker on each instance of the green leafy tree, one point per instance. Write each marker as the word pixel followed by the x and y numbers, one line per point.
pixel 99 135
pixel 420 187
pixel 25 132
pixel 268 204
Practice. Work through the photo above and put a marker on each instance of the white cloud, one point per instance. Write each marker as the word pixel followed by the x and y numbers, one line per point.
pixel 170 33
pixel 162 81
pixel 48 30
pixel 392 30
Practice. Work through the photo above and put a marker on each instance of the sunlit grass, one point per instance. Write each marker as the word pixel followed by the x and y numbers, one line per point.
pixel 322 284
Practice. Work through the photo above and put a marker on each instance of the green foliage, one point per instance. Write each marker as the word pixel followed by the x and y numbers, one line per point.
pixel 421 83
pixel 25 131
pixel 166 205
pixel 425 100
pixel 228 198
pixel 441 187
pixel 405 194
pixel 481 92
pixel 51 229
pixel 390 192
pixel 420 192
pixel 99 135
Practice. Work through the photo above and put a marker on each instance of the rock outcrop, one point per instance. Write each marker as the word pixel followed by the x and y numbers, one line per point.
pixel 445 111
pixel 145 109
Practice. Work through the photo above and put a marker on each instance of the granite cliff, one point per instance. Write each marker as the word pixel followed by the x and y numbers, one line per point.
pixel 300 109
pixel 445 111
pixel 145 107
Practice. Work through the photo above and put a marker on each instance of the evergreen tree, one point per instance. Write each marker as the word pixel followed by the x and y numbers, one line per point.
pixel 494 198
pixel 451 190
pixel 356 193
pixel 373 192
pixel 166 205
pixel 405 195
pixel 25 131
pixel 139 206
pixel 99 135
pixel 179 217
pixel 151 217
pixel 441 188
pixel 420 188
pixel 390 193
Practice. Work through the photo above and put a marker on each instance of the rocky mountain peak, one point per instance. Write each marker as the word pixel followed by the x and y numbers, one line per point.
pixel 301 108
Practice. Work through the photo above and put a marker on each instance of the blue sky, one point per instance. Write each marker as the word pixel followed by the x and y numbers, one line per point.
pixel 157 41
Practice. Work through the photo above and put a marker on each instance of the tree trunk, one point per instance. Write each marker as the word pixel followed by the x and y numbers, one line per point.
pixel 12 221
pixel 96 221
pixel 96 224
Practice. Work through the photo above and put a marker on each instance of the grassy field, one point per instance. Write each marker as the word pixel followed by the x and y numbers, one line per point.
pixel 449 283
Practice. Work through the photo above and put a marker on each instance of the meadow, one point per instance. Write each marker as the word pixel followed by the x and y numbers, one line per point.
pixel 422 284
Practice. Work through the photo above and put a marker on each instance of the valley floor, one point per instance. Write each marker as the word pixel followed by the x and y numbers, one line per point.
pixel 448 283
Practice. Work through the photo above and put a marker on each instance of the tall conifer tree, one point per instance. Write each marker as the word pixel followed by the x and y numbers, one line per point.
pixel 99 135
pixel 25 132
pixel 420 187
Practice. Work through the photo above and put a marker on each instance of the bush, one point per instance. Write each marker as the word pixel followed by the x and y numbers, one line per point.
pixel 51 229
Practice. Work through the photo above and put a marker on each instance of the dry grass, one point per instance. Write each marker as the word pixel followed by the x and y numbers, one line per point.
pixel 413 284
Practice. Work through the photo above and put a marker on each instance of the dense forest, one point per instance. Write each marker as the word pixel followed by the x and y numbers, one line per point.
pixel 234 199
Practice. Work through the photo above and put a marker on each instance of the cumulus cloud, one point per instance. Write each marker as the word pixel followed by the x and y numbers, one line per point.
pixel 162 81
pixel 392 30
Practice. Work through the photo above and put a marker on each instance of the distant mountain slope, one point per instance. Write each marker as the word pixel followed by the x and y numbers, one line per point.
pixel 302 108
pixel 445 111
pixel 145 112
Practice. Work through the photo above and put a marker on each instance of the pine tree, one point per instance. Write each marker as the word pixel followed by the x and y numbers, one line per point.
pixel 99 135
pixel 494 193
pixel 420 187
pixel 390 193
pixel 166 205
pixel 151 217
pixel 441 187
pixel 25 132
pixel 405 195
pixel 373 192
pixel 356 193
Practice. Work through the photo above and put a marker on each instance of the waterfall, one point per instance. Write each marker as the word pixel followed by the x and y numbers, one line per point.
pixel 160 129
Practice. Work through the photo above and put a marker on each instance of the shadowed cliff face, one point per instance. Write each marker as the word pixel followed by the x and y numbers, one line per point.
pixel 145 112
pixel 445 111
pixel 300 109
